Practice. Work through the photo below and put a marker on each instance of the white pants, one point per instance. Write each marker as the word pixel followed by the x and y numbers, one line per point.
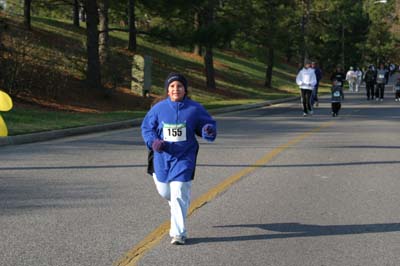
pixel 352 85
pixel 178 196
pixel 358 83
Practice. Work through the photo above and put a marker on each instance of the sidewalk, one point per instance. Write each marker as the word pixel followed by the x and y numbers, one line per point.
pixel 62 133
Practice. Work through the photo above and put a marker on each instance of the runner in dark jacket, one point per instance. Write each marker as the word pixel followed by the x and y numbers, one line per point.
pixel 370 80
pixel 338 76
pixel 318 75
pixel 381 80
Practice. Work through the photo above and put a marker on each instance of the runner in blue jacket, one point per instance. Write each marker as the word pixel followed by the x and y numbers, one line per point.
pixel 169 130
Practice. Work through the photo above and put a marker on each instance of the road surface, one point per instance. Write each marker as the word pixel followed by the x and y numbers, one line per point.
pixel 317 190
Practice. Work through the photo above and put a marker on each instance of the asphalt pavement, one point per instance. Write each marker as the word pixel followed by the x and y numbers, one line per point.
pixel 62 133
pixel 276 188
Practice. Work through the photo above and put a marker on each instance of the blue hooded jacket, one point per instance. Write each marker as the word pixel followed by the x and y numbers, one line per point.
pixel 177 123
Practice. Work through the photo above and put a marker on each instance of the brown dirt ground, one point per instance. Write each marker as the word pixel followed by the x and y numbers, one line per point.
pixel 120 99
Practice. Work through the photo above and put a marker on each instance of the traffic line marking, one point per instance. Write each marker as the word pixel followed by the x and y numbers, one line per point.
pixel 152 239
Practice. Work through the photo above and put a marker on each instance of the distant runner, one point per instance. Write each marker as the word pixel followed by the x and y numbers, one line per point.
pixel 306 80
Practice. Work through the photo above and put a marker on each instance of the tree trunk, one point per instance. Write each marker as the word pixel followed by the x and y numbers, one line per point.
pixel 75 13
pixel 3 27
pixel 197 47
pixel 27 14
pixel 304 22
pixel 343 47
pixel 289 51
pixel 93 75
pixel 270 66
pixel 209 68
pixel 104 35
pixel 132 27
pixel 208 57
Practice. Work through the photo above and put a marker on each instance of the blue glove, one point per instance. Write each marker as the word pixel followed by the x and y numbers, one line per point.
pixel 209 132
pixel 158 145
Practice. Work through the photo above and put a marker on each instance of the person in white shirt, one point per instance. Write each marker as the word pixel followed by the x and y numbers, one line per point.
pixel 351 77
pixel 306 80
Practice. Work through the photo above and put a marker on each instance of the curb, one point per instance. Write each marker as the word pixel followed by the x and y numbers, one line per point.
pixel 251 106
pixel 62 133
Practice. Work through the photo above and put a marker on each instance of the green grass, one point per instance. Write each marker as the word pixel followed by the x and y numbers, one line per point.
pixel 23 121
pixel 240 79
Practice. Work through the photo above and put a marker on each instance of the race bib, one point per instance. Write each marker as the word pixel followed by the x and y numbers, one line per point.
pixel 338 83
pixel 381 76
pixel 174 132
pixel 336 93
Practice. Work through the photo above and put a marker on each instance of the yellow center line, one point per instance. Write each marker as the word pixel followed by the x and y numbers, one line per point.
pixel 137 252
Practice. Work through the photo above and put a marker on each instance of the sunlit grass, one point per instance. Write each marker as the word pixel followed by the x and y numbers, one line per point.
pixel 239 79
pixel 22 121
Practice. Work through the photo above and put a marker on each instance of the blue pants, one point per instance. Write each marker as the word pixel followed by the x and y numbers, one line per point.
pixel 314 96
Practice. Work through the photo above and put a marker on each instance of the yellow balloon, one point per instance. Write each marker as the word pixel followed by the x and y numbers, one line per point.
pixel 5 102
pixel 3 128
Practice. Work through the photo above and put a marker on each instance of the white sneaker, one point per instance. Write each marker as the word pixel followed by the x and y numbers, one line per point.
pixel 377 99
pixel 381 100
pixel 311 112
pixel 396 100
pixel 178 240
pixel 304 114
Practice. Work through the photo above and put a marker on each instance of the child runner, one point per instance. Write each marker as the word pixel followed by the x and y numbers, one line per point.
pixel 169 130
pixel 337 97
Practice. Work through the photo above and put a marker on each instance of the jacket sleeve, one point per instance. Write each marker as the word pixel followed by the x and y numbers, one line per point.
pixel 204 118
pixel 313 79
pixel 299 78
pixel 149 128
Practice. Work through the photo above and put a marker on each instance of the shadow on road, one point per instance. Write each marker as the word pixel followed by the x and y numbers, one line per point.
pixel 117 166
pixel 300 165
pixel 292 230
pixel 70 167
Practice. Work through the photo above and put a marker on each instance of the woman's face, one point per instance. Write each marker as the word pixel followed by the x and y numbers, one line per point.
pixel 176 91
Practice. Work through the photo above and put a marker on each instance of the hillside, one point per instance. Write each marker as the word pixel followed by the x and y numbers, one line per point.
pixel 50 64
